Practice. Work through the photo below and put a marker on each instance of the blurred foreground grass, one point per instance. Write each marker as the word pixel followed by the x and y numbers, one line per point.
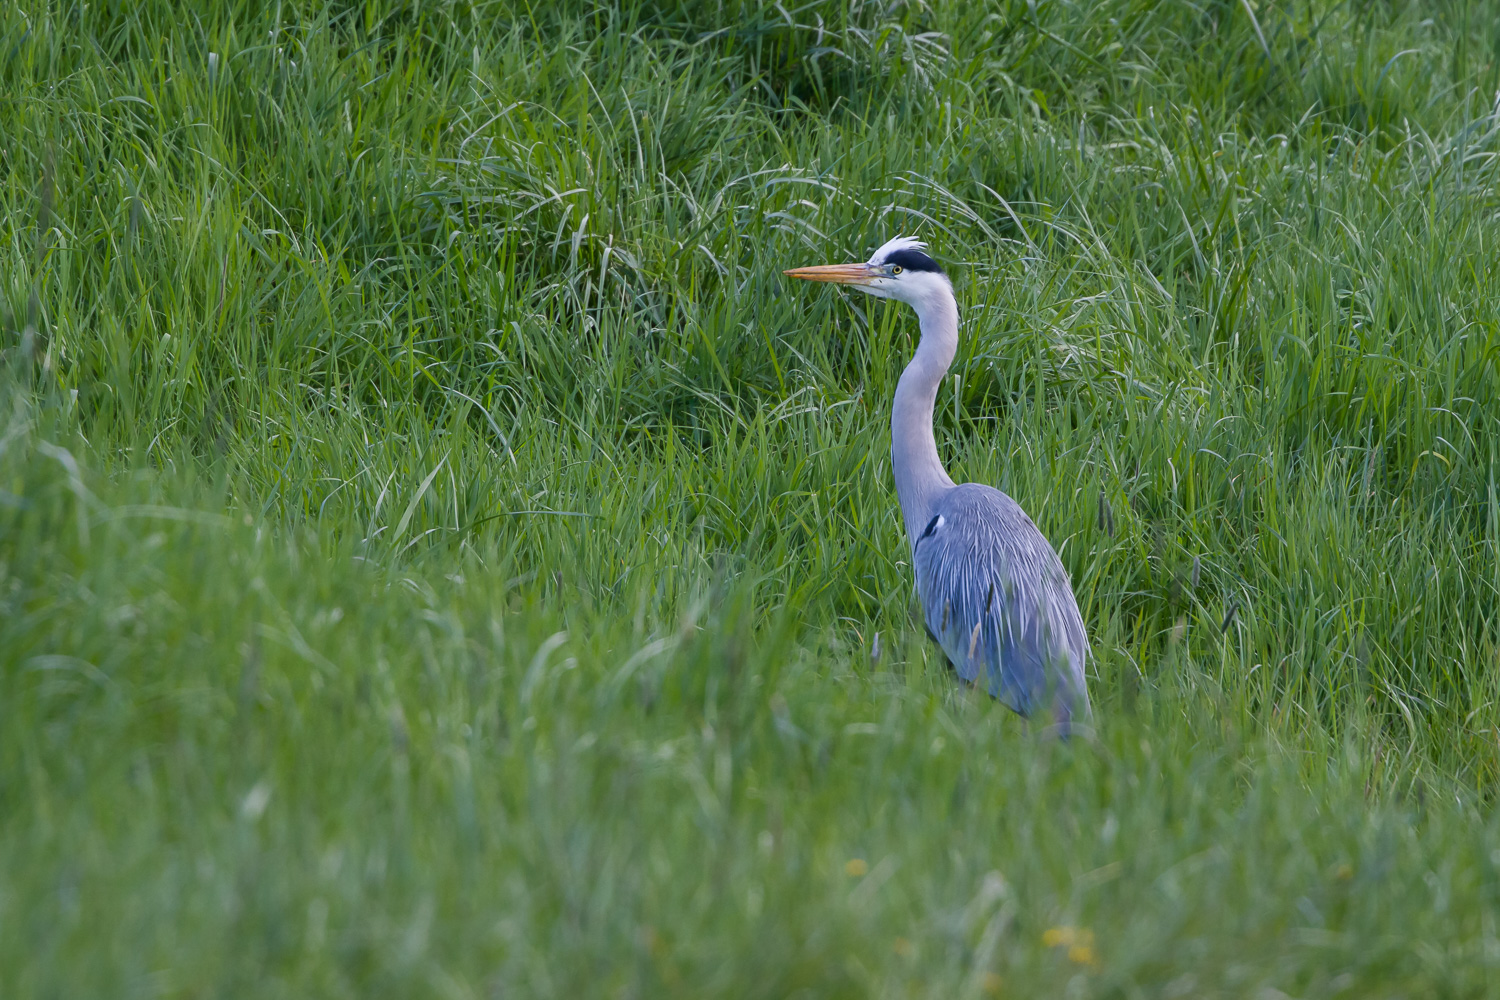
pixel 439 556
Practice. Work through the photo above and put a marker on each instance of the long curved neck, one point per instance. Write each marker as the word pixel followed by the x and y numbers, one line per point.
pixel 920 477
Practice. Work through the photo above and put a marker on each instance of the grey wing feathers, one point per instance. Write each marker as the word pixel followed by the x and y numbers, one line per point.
pixel 997 599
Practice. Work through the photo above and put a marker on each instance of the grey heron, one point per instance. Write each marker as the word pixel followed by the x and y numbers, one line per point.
pixel 994 594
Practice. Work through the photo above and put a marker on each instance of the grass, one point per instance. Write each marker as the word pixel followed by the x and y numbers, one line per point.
pixel 441 556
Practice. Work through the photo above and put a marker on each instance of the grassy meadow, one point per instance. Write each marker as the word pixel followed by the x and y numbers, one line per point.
pixel 441 555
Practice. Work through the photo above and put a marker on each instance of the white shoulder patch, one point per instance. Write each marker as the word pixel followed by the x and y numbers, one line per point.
pixel 927 532
pixel 899 243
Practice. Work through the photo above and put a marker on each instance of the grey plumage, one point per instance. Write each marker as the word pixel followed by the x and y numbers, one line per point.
pixel 997 599
pixel 994 594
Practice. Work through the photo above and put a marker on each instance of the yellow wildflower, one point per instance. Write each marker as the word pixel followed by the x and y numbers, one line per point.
pixel 1082 954
pixel 856 867
pixel 1057 937
pixel 1078 940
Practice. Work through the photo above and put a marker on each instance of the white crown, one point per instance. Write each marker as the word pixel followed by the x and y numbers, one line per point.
pixel 899 243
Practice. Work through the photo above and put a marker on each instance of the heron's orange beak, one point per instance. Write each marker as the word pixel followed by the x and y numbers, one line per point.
pixel 843 274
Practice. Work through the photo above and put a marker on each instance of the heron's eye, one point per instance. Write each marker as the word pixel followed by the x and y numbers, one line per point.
pixel 896 270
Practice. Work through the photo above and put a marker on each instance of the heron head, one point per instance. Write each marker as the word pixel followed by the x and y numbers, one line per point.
pixel 898 270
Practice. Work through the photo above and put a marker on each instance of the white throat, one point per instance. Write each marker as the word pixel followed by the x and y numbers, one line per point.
pixel 920 477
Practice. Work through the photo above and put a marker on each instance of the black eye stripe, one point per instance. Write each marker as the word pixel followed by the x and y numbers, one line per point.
pixel 913 260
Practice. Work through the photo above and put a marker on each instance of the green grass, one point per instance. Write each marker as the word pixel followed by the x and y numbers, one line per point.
pixel 440 555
